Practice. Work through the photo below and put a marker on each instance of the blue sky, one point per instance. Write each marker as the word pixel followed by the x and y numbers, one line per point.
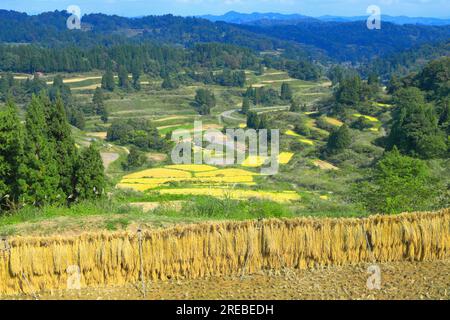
pixel 412 8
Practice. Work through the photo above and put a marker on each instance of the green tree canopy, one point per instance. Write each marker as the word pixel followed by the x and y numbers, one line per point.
pixel 40 179
pixel 90 178
pixel 415 129
pixel 339 140
pixel 397 184
pixel 11 154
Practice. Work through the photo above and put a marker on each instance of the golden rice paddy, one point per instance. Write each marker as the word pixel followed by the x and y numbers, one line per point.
pixel 371 119
pixel 254 161
pixel 307 141
pixel 334 122
pixel 285 157
pixel 292 133
pixel 192 167
pixel 199 175
pixel 196 178
pixel 302 139
pixel 237 194
pixel 159 173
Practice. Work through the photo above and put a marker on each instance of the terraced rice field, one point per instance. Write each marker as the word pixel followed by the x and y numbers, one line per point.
pixel 237 194
pixel 302 139
pixel 198 175
pixel 285 157
pixel 204 180
pixel 371 119
pixel 334 122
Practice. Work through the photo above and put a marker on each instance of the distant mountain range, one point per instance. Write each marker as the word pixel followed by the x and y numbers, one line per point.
pixel 279 18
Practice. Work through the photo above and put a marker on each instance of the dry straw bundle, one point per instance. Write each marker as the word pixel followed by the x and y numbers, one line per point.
pixel 36 264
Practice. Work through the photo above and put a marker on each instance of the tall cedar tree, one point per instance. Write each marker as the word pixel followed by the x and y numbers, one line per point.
pixel 245 105
pixel 136 72
pixel 108 80
pixel 124 82
pixel 99 105
pixel 11 153
pixel 90 179
pixel 98 100
pixel 286 92
pixel 39 174
pixel 65 152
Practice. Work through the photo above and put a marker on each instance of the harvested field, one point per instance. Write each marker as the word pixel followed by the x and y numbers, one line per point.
pixel 333 121
pixel 404 280
pixel 108 158
pixel 99 135
pixel 227 249
pixel 324 165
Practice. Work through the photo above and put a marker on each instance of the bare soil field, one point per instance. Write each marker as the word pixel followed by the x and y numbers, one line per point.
pixel 427 280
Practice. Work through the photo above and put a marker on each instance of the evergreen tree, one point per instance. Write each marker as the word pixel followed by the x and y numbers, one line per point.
pixel 89 178
pixel 98 100
pixel 104 114
pixel 124 82
pixel 394 84
pixel 295 106
pixel 11 155
pixel 349 91
pixel 39 174
pixel 286 92
pixel 65 152
pixel 415 129
pixel 77 119
pixel 136 72
pixel 169 83
pixel 108 80
pixel 398 184
pixel 60 89
pixel 205 101
pixel 245 106
pixel 338 140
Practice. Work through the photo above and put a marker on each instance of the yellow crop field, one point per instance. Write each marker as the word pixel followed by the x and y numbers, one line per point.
pixel 237 194
pixel 292 133
pixel 226 173
pixel 192 167
pixel 384 105
pixel 285 157
pixel 204 176
pixel 254 161
pixel 372 119
pixel 148 184
pixel 159 173
pixel 334 122
pixel 307 141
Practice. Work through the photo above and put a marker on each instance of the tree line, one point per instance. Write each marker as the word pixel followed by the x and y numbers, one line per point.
pixel 40 163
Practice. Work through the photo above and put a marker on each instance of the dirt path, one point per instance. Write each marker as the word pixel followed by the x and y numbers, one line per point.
pixel 428 280
pixel 108 158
